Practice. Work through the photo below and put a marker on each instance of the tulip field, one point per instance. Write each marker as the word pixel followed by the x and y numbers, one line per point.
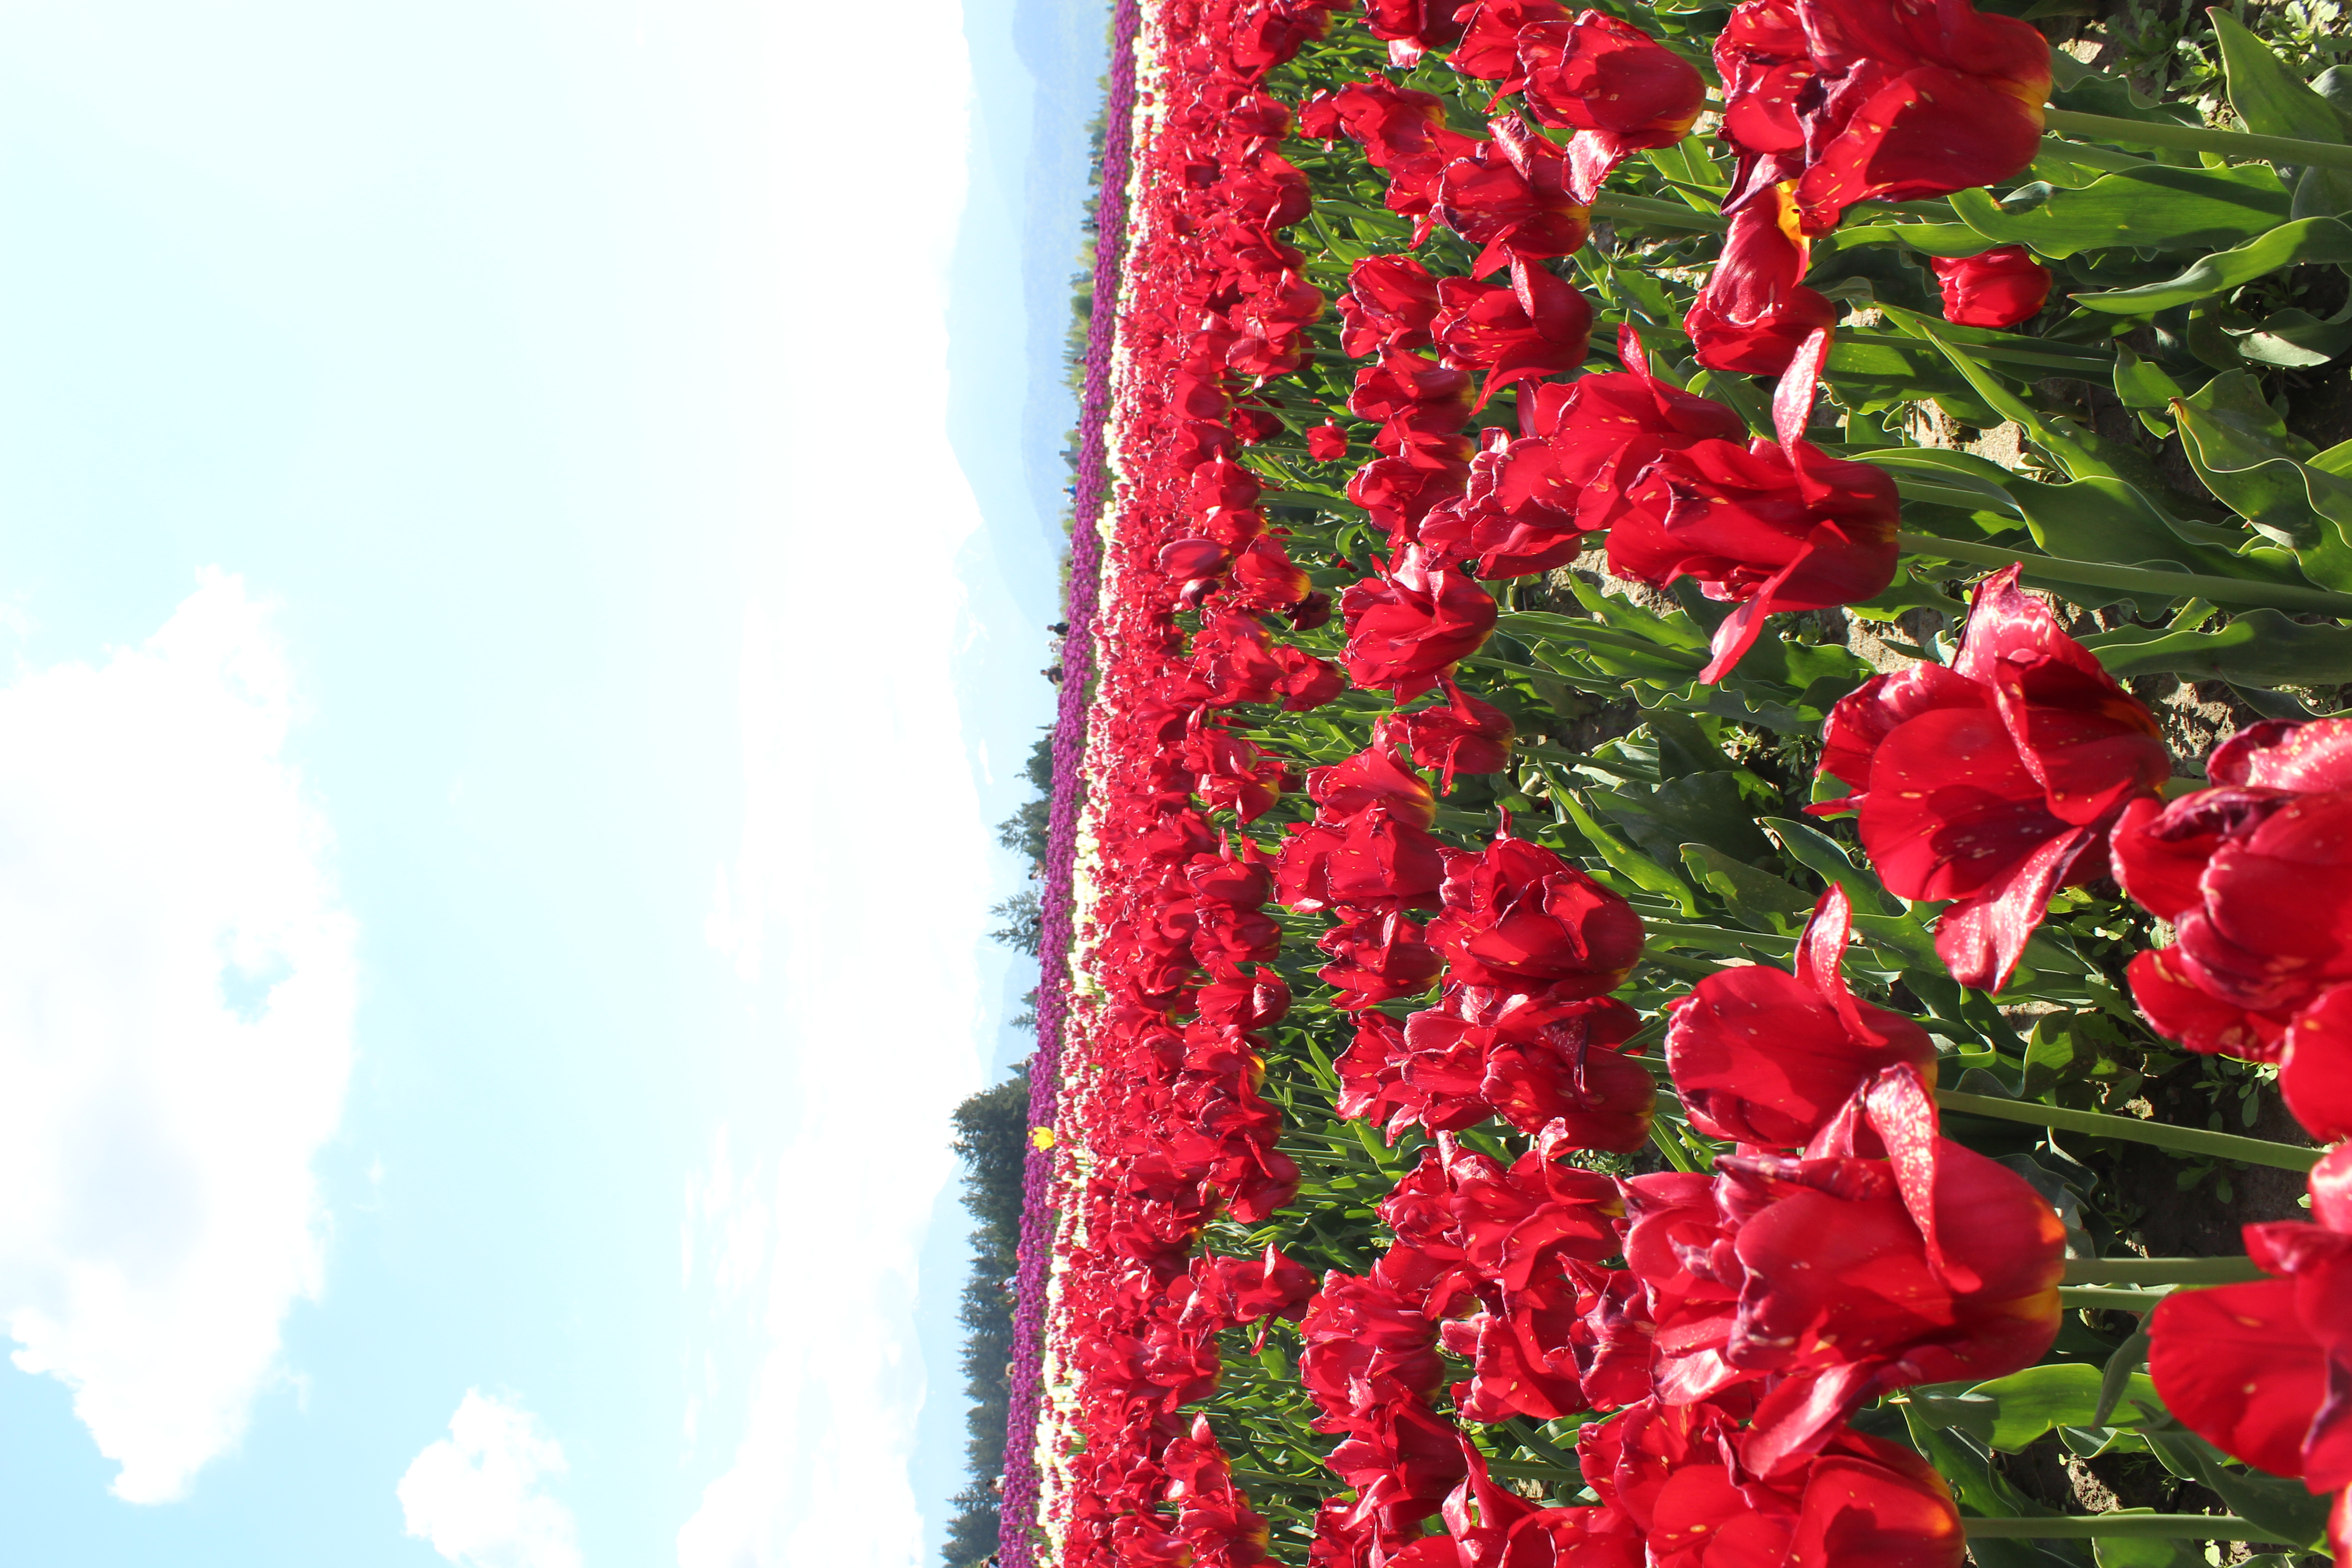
pixel 1699 908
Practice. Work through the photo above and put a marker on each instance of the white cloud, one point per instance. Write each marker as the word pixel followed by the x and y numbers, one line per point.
pixel 475 1495
pixel 859 894
pixel 176 991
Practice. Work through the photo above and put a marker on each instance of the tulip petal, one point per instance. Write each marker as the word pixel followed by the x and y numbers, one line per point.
pixel 2236 1365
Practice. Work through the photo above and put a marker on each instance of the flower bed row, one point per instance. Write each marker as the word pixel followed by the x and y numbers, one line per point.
pixel 1563 1060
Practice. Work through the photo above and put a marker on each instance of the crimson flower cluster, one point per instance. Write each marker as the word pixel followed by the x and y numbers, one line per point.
pixel 1724 1326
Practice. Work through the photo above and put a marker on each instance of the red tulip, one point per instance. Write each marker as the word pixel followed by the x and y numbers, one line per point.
pixel 1999 288
pixel 1376 957
pixel 2258 1370
pixel 1327 443
pixel 1265 578
pixel 1411 28
pixel 1398 492
pixel 1993 783
pixel 1769 528
pixel 1842 1293
pixel 1617 88
pixel 1488 1527
pixel 1766 1057
pixel 1189 558
pixel 1489 50
pixel 1521 920
pixel 1375 776
pixel 1859 100
pixel 1539 326
pixel 1402 131
pixel 1755 313
pixel 2245 872
pixel 1390 304
pixel 1860 1504
pixel 1510 195
pixel 1464 735
pixel 1408 626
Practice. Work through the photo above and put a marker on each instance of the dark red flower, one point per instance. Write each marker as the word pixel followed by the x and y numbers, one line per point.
pixel 1402 131
pixel 1327 443
pixel 1767 1058
pixel 1510 195
pixel 1184 559
pixel 1489 50
pixel 2259 1370
pixel 1411 28
pixel 1999 288
pixel 1616 87
pixel 1859 100
pixel 1755 311
pixel 1463 736
pixel 1539 326
pixel 1521 920
pixel 1487 1527
pixel 1307 681
pixel 1390 304
pixel 1246 1290
pixel 2246 873
pixel 1408 626
pixel 1242 1005
pixel 1862 1502
pixel 1234 774
pixel 1850 1275
pixel 1377 958
pixel 1580 465
pixel 1993 783
pixel 1265 578
pixel 1766 527
pixel 1420 405
pixel 1398 492
pixel 1375 776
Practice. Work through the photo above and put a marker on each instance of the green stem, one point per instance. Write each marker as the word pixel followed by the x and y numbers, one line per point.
pixel 1665 215
pixel 2095 1298
pixel 2113 1526
pixel 2185 1140
pixel 2132 579
pixel 2198 139
pixel 2091 157
pixel 1722 941
pixel 2159 1271
pixel 2083 365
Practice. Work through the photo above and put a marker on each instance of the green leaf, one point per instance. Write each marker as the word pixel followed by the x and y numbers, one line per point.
pixel 2295 339
pixel 2155 207
pixel 2145 389
pixel 2261 647
pixel 1628 862
pixel 1675 631
pixel 2306 239
pixel 2072 453
pixel 2271 477
pixel 2028 1404
pixel 2103 519
pixel 1825 858
pixel 2268 97
pixel 1757 900
pixel 2145 1551
pixel 1701 808
pixel 2277 1504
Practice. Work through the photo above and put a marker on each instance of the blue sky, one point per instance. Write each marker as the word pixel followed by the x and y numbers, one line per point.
pixel 525 532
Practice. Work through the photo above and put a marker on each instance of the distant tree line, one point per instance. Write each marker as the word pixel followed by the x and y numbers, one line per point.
pixel 992 1134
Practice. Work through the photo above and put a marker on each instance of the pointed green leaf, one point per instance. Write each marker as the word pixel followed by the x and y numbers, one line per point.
pixel 2306 239
pixel 2155 207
